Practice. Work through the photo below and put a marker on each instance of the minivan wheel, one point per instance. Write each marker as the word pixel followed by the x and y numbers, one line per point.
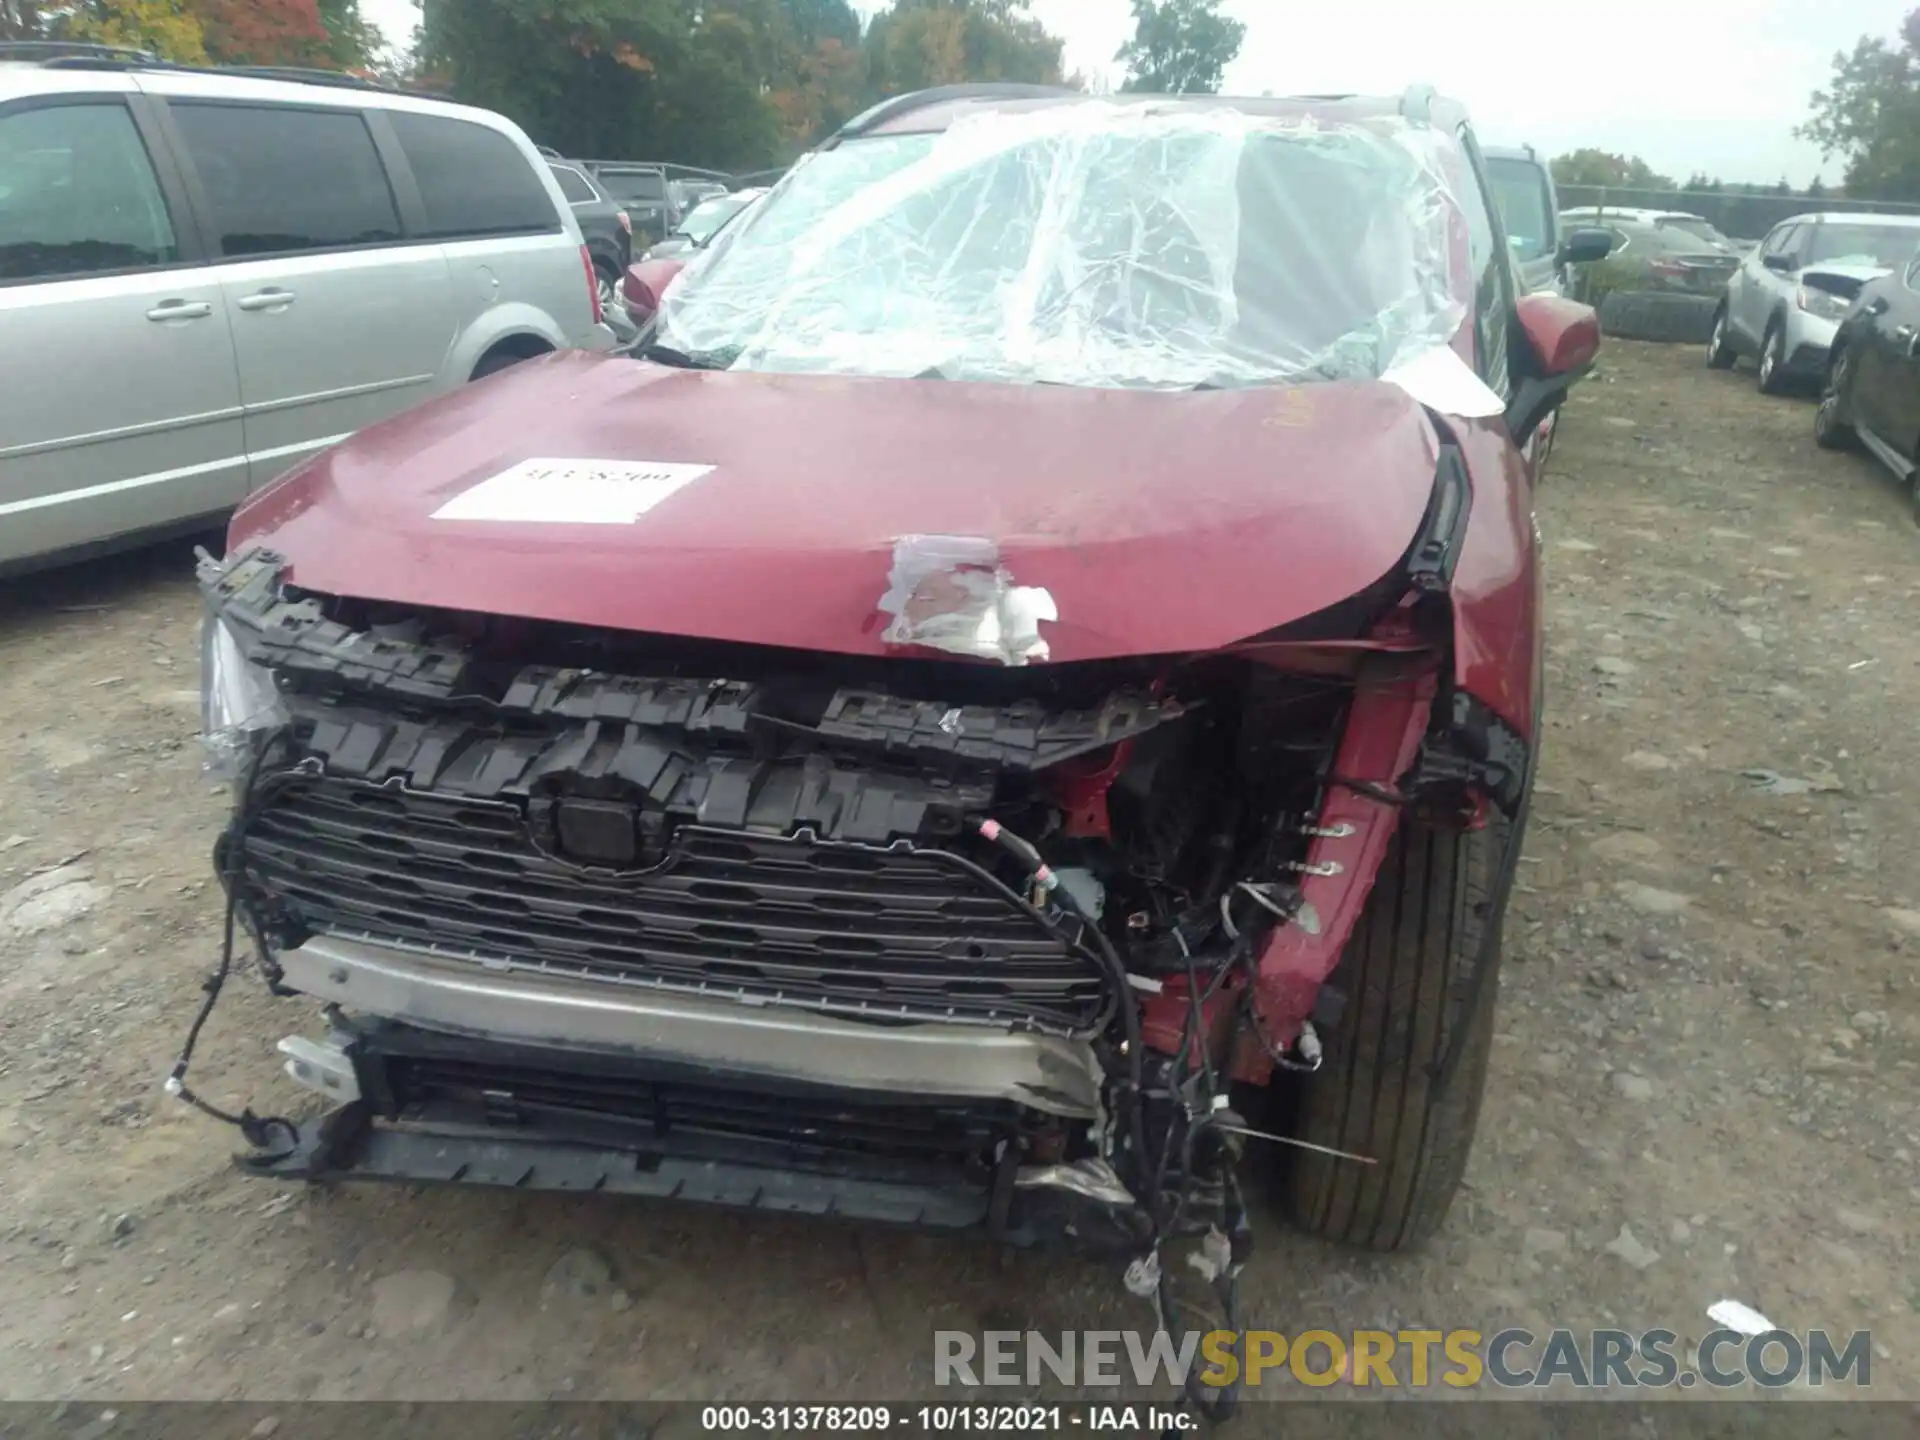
pixel 1720 353
pixel 499 360
pixel 1773 360
pixel 608 284
pixel 1408 974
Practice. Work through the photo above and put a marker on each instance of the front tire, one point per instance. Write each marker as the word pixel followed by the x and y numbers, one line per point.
pixel 1773 360
pixel 1833 421
pixel 1409 976
pixel 1720 351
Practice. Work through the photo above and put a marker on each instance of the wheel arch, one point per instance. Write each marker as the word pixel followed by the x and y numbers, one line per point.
pixel 514 329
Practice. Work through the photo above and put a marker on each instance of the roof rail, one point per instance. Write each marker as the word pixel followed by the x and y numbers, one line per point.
pixel 116 57
pixel 303 75
pixel 72 49
pixel 913 100
pixel 1416 103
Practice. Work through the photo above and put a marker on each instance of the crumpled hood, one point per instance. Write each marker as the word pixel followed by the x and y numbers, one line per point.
pixel 1854 276
pixel 1157 522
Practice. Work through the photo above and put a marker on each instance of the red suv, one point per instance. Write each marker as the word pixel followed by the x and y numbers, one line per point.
pixel 1031 679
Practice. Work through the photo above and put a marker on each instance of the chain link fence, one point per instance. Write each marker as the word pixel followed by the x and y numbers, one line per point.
pixel 1738 216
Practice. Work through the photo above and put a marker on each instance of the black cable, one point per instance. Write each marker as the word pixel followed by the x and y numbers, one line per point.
pixel 993 831
pixel 257 1129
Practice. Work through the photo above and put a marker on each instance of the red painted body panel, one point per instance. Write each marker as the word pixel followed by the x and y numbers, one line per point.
pixel 1162 523
pixel 1496 579
pixel 1384 729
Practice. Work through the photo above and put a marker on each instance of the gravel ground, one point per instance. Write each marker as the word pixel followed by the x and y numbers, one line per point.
pixel 1704 1084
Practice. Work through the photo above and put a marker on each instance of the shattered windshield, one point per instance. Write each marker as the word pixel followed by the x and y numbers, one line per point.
pixel 1090 244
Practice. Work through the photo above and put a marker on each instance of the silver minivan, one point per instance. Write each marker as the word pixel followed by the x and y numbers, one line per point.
pixel 206 277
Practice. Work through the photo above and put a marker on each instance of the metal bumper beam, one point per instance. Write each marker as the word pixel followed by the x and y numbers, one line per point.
pixel 464 997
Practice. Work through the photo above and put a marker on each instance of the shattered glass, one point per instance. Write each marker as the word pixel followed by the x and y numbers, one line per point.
pixel 1093 244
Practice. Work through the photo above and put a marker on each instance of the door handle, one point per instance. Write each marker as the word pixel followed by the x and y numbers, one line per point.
pixel 266 300
pixel 180 310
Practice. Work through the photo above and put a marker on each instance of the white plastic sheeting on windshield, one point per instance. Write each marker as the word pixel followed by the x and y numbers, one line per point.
pixel 1094 243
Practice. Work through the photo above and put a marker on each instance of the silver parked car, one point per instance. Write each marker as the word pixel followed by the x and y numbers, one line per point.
pixel 206 277
pixel 1784 303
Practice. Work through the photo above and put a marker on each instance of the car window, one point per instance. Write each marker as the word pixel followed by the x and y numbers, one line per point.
pixel 1492 274
pixel 474 181
pixel 78 194
pixel 646 186
pixel 573 185
pixel 283 179
pixel 1520 192
pixel 703 222
pixel 1695 226
pixel 1780 241
pixel 1845 243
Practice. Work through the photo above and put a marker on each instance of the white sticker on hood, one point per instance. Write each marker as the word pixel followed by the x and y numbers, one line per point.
pixel 549 491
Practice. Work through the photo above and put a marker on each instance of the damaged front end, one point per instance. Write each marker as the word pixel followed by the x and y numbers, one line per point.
pixel 928 942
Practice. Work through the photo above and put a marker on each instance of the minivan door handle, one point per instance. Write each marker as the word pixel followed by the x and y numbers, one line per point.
pixel 275 299
pixel 180 310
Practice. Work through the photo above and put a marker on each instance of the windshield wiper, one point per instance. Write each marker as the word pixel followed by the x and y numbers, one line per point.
pixel 680 359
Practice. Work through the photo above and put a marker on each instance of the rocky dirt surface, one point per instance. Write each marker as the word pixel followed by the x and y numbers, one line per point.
pixel 1705 1084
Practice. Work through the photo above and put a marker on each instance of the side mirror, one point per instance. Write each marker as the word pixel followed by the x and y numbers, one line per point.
pixel 1584 247
pixel 1560 341
pixel 1782 263
pixel 645 284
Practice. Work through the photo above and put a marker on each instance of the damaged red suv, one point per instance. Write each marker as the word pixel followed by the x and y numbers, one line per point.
pixel 1025 693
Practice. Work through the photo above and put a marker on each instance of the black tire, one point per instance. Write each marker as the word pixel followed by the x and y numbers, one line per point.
pixel 496 362
pixel 1657 315
pixel 1720 351
pixel 1771 375
pixel 1408 973
pixel 1833 421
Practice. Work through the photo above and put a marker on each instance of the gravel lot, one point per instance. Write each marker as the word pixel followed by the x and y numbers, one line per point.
pixel 1704 1085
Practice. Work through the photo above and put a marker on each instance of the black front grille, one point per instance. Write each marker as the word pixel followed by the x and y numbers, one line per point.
pixel 900 933
pixel 685 1118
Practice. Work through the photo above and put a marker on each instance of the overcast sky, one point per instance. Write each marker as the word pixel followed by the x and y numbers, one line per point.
pixel 1714 85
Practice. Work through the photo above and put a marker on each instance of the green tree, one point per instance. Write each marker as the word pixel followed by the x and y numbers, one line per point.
pixel 1180 47
pixel 1869 115
pixel 1602 167
pixel 21 20
pixel 167 28
pixel 921 43
pixel 821 72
